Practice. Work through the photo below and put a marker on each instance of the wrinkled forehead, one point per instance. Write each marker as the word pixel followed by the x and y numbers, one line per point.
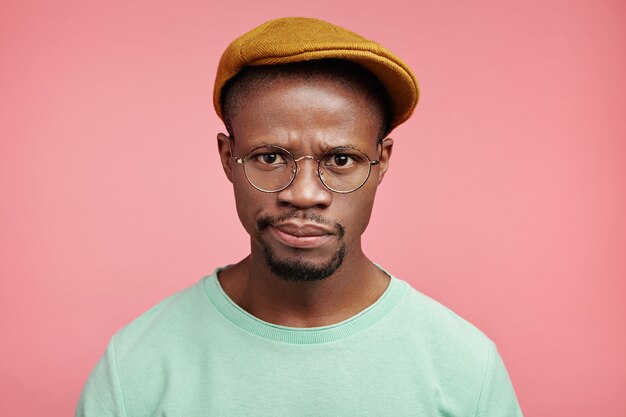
pixel 343 76
pixel 305 116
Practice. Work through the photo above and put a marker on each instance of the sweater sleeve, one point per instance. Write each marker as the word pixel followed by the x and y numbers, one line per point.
pixel 497 397
pixel 102 394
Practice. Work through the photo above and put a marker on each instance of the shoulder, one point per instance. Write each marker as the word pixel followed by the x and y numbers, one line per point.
pixel 461 364
pixel 439 333
pixel 165 323
pixel 438 320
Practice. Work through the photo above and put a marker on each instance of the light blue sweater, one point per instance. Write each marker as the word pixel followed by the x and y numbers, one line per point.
pixel 198 354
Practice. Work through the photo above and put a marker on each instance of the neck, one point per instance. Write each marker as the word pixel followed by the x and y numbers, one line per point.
pixel 356 285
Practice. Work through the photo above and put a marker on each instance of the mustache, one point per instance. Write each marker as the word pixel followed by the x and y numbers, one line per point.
pixel 264 222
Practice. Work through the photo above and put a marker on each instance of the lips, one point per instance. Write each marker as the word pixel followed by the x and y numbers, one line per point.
pixel 301 235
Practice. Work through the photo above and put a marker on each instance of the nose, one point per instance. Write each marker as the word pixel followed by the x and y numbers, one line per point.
pixel 306 190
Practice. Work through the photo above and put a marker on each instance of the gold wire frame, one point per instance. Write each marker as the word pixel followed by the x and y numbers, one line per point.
pixel 295 170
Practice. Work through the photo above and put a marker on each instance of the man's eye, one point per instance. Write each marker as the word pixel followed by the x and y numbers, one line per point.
pixel 341 160
pixel 271 159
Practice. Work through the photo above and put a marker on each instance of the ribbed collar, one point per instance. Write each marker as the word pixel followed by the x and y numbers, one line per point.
pixel 297 335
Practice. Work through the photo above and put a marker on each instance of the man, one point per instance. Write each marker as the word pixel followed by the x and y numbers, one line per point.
pixel 306 325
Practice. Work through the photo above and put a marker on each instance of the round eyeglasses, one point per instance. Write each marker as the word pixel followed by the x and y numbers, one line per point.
pixel 272 169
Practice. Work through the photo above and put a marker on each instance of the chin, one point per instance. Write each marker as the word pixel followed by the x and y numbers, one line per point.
pixel 299 268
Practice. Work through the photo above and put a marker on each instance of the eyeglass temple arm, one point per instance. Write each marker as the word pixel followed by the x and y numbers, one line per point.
pixel 236 158
pixel 376 162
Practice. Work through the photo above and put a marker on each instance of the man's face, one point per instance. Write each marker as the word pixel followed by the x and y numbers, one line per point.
pixel 305 231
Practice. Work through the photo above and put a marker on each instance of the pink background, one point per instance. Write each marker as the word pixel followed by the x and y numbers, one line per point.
pixel 506 198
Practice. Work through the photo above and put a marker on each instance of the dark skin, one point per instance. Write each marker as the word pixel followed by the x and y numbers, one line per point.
pixel 306 119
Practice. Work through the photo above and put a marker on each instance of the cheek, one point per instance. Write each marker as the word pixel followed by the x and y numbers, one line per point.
pixel 357 212
pixel 248 202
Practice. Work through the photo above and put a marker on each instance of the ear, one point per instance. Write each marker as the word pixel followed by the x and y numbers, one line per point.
pixel 224 149
pixel 385 156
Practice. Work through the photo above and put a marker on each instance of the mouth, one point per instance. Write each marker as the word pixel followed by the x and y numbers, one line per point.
pixel 301 235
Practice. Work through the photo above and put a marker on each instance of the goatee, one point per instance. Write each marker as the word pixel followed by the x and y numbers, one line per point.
pixel 298 269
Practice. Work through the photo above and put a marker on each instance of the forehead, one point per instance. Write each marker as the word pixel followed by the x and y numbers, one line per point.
pixel 294 112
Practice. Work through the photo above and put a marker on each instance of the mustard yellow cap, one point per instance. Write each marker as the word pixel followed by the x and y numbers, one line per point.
pixel 296 39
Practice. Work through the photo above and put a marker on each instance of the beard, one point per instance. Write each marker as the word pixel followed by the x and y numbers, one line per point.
pixel 299 270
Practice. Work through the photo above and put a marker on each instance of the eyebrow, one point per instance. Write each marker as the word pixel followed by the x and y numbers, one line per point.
pixel 261 144
pixel 253 146
pixel 323 147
